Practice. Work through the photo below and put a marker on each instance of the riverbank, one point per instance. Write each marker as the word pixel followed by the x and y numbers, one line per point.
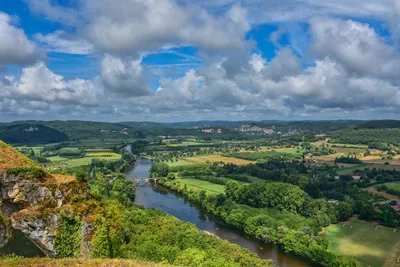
pixel 269 226
pixel 175 204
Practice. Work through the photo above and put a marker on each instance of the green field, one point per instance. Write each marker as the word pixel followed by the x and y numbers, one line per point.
pixel 178 163
pixel 69 150
pixel 56 158
pixel 202 185
pixel 393 185
pixel 190 144
pixel 362 241
pixel 59 161
pixel 293 151
pixel 36 149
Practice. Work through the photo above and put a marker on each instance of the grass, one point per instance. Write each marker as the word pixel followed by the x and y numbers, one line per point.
pixel 393 185
pixel 293 151
pixel 183 144
pixel 10 158
pixel 102 154
pixel 69 150
pixel 56 159
pixel 202 185
pixel 49 262
pixel 350 169
pixel 36 149
pixel 179 163
pixel 362 242
pixel 217 158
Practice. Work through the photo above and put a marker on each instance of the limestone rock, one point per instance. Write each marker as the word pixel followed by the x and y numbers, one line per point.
pixel 39 228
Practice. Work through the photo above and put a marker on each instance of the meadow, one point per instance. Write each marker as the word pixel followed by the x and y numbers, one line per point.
pixel 393 185
pixel 217 158
pixel 202 185
pixel 57 161
pixel 185 144
pixel 363 241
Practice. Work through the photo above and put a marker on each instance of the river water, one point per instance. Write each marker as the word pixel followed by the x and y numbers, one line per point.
pixel 153 196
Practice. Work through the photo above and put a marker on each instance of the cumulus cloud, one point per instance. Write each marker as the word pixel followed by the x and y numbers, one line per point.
pixel 339 68
pixel 39 84
pixel 15 47
pixel 158 23
pixel 356 46
pixel 60 42
pixel 124 77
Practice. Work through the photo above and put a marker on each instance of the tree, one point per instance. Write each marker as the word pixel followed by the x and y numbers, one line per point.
pixel 159 169
pixel 345 211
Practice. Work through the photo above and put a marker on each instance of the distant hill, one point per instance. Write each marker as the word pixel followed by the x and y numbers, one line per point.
pixel 30 132
pixel 42 132
pixel 379 124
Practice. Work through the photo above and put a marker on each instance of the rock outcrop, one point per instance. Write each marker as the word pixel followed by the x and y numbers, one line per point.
pixel 38 227
pixel 33 204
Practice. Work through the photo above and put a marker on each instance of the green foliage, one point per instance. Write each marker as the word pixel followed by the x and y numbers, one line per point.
pixel 9 258
pixel 30 173
pixel 348 160
pixel 159 169
pixel 367 136
pixel 30 133
pixel 81 174
pixel 68 238
pixel 292 232
pixel 105 243
pixel 265 155
pixel 272 195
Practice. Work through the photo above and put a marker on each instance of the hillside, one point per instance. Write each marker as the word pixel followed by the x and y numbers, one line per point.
pixel 48 262
pixel 61 217
pixel 30 132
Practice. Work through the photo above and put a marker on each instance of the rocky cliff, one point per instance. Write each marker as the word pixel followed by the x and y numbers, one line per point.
pixel 32 200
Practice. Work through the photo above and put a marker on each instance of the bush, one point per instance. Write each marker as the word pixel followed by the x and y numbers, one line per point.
pixel 68 238
pixel 32 173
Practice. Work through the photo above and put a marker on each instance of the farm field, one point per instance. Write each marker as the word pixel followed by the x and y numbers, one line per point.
pixel 360 240
pixel 351 167
pixel 36 149
pixel 190 144
pixel 103 154
pixel 178 163
pixel 386 196
pixel 393 185
pixel 217 158
pixel 75 162
pixel 293 151
pixel 202 185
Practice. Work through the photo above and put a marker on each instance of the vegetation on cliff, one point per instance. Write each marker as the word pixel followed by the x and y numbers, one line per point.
pixel 67 222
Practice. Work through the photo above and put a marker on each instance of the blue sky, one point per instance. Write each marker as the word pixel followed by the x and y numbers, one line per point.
pixel 173 60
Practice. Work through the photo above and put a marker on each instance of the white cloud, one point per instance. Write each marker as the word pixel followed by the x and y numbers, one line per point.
pixel 53 12
pixel 301 10
pixel 39 84
pixel 60 42
pixel 356 46
pixel 124 77
pixel 123 27
pixel 15 47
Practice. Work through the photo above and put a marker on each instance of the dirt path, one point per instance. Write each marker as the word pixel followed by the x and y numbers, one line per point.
pixel 373 190
pixel 393 259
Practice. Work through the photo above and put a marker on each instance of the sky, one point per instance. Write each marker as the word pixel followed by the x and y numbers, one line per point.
pixel 182 60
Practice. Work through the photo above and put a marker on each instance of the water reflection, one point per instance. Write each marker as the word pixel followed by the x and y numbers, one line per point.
pixel 153 196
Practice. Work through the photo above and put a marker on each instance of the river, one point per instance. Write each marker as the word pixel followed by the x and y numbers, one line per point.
pixel 153 196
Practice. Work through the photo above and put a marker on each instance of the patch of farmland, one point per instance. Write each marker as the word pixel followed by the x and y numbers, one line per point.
pixel 217 158
pixel 202 185
pixel 369 244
